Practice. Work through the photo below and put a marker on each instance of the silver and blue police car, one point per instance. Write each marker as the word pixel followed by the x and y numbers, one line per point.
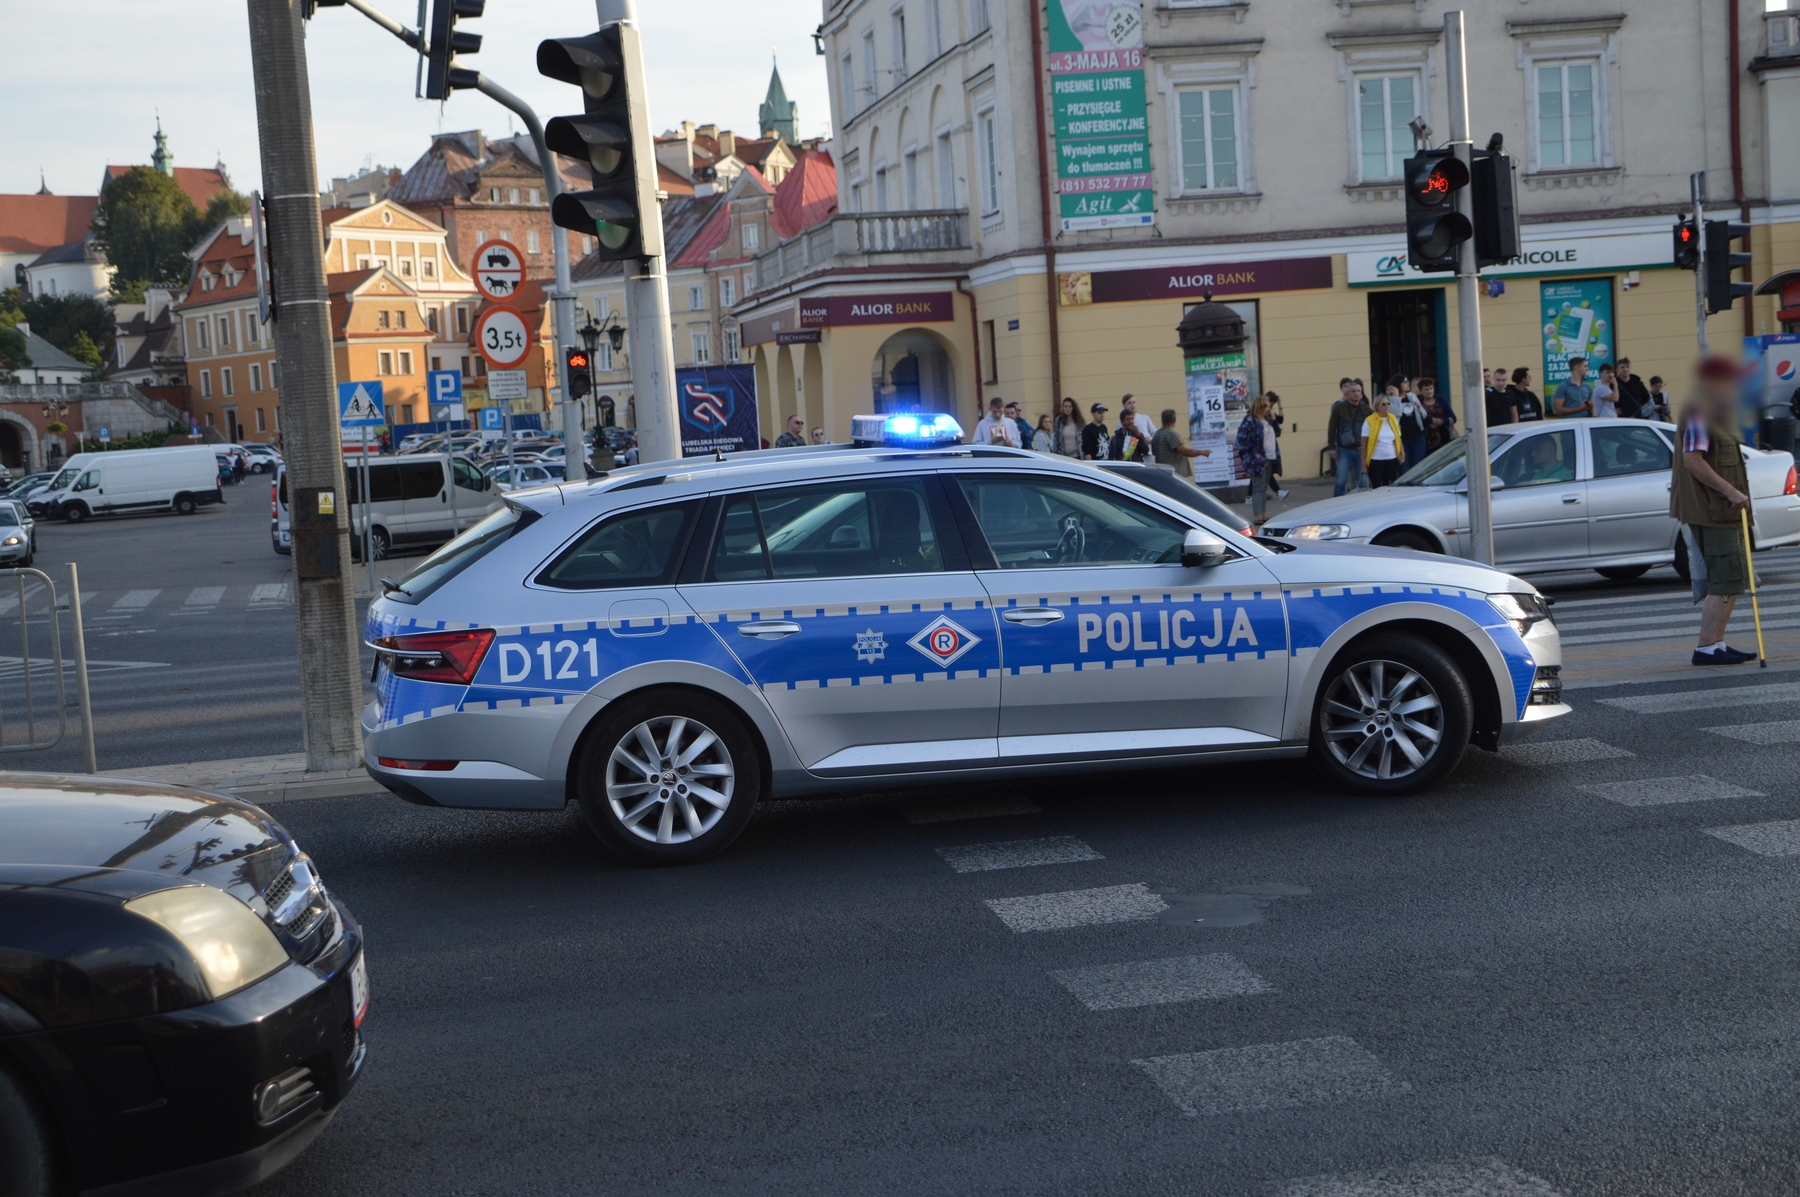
pixel 673 643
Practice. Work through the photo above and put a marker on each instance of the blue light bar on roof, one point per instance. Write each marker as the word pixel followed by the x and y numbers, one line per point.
pixel 906 430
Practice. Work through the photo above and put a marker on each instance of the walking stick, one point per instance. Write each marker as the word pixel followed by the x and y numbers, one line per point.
pixel 1762 657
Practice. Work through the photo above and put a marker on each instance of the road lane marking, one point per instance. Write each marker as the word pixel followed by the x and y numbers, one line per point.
pixel 1769 625
pixel 1662 791
pixel 1079 908
pixel 270 593
pixel 1563 752
pixel 950 810
pixel 1017 854
pixel 135 600
pixel 1780 838
pixel 1786 731
pixel 202 600
pixel 1272 1076
pixel 1160 982
pixel 1696 700
pixel 1488 1177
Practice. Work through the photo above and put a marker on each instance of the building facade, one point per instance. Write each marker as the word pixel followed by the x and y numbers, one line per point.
pixel 1252 151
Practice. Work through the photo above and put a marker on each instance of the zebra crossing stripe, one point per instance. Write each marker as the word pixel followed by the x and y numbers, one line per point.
pixel 135 600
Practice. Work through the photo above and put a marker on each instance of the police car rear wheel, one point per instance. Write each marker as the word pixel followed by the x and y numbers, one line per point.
pixel 669 779
pixel 1393 717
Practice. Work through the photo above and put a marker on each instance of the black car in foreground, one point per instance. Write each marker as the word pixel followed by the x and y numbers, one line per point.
pixel 180 998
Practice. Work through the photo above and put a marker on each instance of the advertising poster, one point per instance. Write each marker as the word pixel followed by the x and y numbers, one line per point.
pixel 1771 375
pixel 1578 322
pixel 1218 392
pixel 718 409
pixel 1102 129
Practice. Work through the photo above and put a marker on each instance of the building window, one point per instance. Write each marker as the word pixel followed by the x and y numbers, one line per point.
pixel 531 238
pixel 727 291
pixel 909 177
pixel 1209 158
pixel 945 170
pixel 480 236
pixel 534 195
pixel 881 190
pixel 262 420
pixel 697 297
pixel 493 198
pixel 384 362
pixel 406 414
pixel 225 380
pixel 990 370
pixel 750 279
pixel 209 420
pixel 898 16
pixel 437 363
pixel 400 318
pixel 603 357
pixel 462 321
pixel 406 361
pixel 702 341
pixel 362 261
pixel 1386 104
pixel 506 235
pixel 382 320
pixel 252 329
pixel 989 143
pixel 275 381
pixel 200 329
pixel 480 366
pixel 465 366
pixel 431 319
pixel 978 16
pixel 512 195
pixel 428 267
pixel 934 30
pixel 1566 112
pixel 732 344
pixel 255 379
pixel 847 80
pixel 405 267
pixel 869 90
pixel 206 387
pixel 587 245
pixel 752 238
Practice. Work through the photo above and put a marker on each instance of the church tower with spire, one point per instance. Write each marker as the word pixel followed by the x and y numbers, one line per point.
pixel 162 160
pixel 779 116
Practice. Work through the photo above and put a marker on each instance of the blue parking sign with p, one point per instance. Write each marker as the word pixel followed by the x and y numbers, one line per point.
pixel 493 419
pixel 445 386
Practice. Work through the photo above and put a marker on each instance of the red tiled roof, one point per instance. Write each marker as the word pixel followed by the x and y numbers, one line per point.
pixel 712 234
pixel 200 182
pixel 671 182
pixel 35 223
pixel 808 194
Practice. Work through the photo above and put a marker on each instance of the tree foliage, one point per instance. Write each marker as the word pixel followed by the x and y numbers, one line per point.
pixel 13 354
pixel 145 226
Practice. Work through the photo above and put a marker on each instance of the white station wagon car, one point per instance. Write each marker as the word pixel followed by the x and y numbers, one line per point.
pixel 672 643
pixel 1567 494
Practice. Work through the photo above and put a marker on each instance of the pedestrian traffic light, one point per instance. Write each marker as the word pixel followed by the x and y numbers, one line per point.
pixel 1687 245
pixel 1721 292
pixel 579 381
pixel 612 136
pixel 1434 228
pixel 1492 188
pixel 442 76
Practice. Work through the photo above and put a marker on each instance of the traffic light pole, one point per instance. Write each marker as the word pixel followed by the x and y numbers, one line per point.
pixel 1468 304
pixel 324 590
pixel 1697 184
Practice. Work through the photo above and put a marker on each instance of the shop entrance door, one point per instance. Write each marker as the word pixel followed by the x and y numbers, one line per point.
pixel 1407 336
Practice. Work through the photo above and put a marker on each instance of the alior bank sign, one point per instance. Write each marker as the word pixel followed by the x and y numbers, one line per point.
pixel 1586 254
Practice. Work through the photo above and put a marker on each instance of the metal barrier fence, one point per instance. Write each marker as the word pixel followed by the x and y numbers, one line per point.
pixel 34 699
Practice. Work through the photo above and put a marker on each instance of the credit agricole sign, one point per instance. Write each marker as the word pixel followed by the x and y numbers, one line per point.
pixel 1586 254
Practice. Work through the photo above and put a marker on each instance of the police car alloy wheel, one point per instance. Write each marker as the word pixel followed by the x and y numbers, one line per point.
pixel 1392 716
pixel 669 779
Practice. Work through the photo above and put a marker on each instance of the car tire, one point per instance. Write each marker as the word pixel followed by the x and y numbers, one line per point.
pixel 655 823
pixel 27 1158
pixel 1404 539
pixel 1359 739
pixel 74 513
pixel 1623 573
pixel 185 505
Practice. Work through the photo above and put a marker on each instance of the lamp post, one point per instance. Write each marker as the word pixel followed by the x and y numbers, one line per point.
pixel 55 409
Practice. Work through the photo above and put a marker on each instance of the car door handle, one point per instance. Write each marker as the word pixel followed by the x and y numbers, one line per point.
pixel 768 629
pixel 1031 617
pixel 1571 498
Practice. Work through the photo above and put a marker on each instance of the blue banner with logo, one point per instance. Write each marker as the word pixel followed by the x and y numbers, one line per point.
pixel 1578 322
pixel 718 409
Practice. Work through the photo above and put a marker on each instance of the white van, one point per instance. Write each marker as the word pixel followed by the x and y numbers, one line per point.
pixel 179 478
pixel 412 503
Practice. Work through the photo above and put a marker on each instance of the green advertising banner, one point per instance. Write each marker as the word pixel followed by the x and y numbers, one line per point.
pixel 1578 322
pixel 1103 176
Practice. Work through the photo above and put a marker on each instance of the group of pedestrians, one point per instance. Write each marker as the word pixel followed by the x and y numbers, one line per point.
pixel 1378 440
pixel 1617 392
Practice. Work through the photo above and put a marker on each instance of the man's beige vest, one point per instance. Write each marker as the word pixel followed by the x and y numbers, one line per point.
pixel 1692 501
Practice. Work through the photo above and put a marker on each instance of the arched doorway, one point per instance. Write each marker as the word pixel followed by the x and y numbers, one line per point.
pixel 912 372
pixel 12 449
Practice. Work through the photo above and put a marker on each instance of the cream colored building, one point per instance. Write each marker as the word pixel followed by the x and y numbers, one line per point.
pixel 1275 135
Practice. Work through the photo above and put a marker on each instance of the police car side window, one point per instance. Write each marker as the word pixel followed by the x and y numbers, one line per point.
pixel 846 529
pixel 637 548
pixel 1049 524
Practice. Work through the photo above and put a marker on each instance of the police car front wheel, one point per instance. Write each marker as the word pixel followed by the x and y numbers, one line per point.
pixel 668 779
pixel 1393 716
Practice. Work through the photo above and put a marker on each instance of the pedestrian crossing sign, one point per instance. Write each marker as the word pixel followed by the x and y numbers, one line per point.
pixel 359 405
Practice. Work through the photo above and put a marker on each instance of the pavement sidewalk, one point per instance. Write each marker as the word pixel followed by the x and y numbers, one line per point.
pixel 259 779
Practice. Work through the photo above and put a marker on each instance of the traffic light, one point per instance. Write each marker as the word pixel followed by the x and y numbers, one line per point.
pixel 1496 214
pixel 441 75
pixel 1687 245
pixel 1434 228
pixel 612 136
pixel 1721 292
pixel 579 381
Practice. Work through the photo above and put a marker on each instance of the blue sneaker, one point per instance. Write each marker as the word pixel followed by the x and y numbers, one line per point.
pixel 1723 656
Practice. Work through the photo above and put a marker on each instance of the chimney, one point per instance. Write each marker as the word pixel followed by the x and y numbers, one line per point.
pixel 707 130
pixel 727 142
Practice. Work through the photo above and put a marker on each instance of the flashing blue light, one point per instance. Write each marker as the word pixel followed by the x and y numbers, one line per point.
pixel 902 426
pixel 906 430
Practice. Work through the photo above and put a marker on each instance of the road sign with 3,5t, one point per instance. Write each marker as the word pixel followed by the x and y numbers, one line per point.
pixel 502 337
pixel 359 405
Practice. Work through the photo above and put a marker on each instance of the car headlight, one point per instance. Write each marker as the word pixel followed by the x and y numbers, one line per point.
pixel 231 945
pixel 1319 532
pixel 1520 610
pixel 12 540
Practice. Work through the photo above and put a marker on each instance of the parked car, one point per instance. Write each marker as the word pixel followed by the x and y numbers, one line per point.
pixel 181 999
pixel 261 459
pixel 26 520
pixel 412 506
pixel 1567 494
pixel 178 478
pixel 529 474
pixel 17 546
pixel 29 485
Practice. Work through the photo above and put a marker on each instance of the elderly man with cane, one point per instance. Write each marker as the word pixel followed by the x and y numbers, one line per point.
pixel 1709 495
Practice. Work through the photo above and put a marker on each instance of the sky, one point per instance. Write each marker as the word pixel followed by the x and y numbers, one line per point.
pixel 85 80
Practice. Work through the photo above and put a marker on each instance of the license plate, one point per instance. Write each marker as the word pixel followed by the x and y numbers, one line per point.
pixel 359 987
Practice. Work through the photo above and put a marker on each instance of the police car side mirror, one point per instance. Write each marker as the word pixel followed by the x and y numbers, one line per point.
pixel 1203 550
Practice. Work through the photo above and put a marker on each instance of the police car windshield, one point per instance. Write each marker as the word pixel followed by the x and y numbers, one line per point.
pixel 1446 467
pixel 450 560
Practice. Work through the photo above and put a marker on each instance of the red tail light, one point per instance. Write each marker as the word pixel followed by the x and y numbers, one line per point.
pixel 388 762
pixel 274 503
pixel 1793 482
pixel 436 656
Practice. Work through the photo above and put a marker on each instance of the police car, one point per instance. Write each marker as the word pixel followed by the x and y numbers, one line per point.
pixel 670 644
